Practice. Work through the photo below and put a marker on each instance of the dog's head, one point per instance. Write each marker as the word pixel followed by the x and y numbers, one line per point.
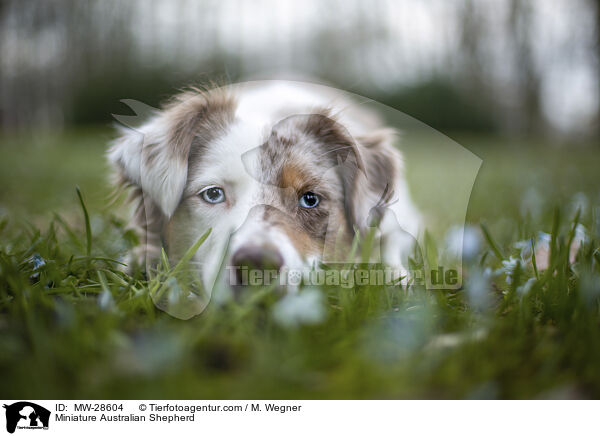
pixel 277 182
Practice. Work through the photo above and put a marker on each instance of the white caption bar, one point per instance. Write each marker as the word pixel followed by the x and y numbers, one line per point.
pixel 23 417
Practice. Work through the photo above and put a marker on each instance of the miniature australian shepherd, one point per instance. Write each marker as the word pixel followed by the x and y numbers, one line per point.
pixel 283 173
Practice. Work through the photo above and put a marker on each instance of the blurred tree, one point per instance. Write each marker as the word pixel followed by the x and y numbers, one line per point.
pixel 442 106
pixel 474 64
pixel 596 5
pixel 530 118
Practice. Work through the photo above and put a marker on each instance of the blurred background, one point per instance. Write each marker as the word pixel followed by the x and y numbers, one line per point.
pixel 513 68
pixel 514 81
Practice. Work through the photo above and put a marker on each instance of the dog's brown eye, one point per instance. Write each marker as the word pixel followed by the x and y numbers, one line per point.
pixel 213 195
pixel 309 200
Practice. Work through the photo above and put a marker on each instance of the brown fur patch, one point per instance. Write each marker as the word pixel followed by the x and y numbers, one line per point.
pixel 337 142
pixel 380 171
pixel 302 241
pixel 306 239
pixel 292 176
pixel 195 118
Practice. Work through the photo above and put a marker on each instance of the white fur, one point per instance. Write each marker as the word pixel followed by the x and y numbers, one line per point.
pixel 164 181
pixel 260 106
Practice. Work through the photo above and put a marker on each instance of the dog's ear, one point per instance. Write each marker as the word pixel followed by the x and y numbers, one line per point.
pixel 154 157
pixel 369 191
pixel 146 158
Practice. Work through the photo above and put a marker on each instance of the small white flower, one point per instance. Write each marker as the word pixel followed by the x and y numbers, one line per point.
pixel 36 261
pixel 544 238
pixel 581 234
pixel 526 287
pixel 542 251
pixel 305 307
pixel 465 239
pixel 478 287
pixel 524 248
pixel 542 247
pixel 106 300
pixel 509 266
pixel 580 202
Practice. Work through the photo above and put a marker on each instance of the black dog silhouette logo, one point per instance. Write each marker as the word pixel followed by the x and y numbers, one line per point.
pixel 26 415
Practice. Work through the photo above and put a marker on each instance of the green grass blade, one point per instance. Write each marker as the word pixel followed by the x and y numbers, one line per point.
pixel 88 228
pixel 190 253
pixel 572 235
pixel 533 261
pixel 554 238
pixel 491 242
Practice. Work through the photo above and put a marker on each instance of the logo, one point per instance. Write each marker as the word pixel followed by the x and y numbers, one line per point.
pixel 26 415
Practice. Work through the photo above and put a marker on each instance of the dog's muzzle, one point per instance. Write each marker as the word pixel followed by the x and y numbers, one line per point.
pixel 249 260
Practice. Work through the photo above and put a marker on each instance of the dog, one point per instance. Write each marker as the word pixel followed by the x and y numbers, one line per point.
pixel 286 174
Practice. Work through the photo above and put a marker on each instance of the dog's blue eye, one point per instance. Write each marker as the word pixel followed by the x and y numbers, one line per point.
pixel 213 195
pixel 309 200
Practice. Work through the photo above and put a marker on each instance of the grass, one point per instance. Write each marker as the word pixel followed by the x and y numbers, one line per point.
pixel 73 325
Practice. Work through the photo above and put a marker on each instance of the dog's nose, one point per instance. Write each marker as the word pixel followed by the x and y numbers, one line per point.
pixel 258 257
pixel 247 259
